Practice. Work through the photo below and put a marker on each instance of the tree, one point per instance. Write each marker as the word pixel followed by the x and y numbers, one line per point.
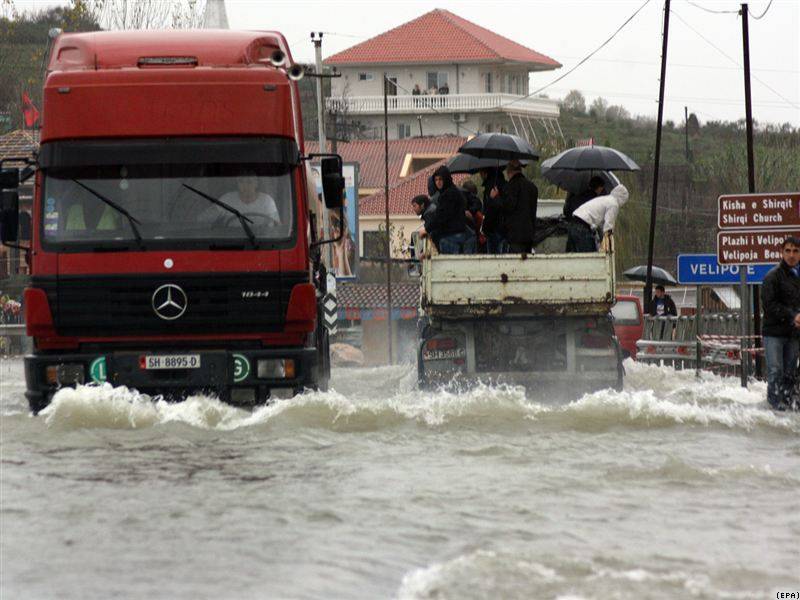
pixel 616 112
pixel 145 14
pixel 23 44
pixel 598 109
pixel 574 102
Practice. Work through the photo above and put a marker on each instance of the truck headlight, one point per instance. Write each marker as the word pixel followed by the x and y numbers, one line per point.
pixel 275 368
pixel 65 374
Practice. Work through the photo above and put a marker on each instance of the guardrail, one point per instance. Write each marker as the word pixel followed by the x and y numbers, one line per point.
pixel 676 341
pixel 448 103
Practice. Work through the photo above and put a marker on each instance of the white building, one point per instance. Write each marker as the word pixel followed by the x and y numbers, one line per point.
pixel 475 79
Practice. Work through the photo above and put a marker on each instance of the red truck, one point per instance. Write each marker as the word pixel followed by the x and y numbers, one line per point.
pixel 174 244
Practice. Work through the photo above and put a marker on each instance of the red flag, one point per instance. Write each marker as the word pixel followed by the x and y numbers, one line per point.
pixel 30 112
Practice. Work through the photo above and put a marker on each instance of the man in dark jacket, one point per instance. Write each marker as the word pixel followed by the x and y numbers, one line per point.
pixel 663 305
pixel 449 222
pixel 424 209
pixel 596 188
pixel 518 203
pixel 780 294
pixel 493 223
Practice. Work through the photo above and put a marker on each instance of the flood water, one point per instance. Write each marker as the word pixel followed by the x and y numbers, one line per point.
pixel 673 488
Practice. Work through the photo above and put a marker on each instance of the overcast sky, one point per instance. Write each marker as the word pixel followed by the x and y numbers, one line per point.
pixel 704 55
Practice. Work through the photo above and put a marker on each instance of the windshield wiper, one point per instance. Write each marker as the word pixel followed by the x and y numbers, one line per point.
pixel 131 219
pixel 242 219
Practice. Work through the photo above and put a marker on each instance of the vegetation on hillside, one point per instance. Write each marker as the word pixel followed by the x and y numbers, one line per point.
pixel 689 181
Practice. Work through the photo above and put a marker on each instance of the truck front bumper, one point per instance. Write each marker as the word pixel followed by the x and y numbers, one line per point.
pixel 241 376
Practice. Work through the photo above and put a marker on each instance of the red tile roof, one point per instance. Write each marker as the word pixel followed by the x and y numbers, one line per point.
pixel 440 37
pixel 19 142
pixel 369 154
pixel 401 194
pixel 373 295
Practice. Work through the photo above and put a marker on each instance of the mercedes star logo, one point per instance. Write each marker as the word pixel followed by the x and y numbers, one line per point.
pixel 169 302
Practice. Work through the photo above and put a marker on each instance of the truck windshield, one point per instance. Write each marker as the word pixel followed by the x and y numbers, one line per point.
pixel 168 204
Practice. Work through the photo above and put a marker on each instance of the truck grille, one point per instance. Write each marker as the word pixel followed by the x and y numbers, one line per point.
pixel 107 306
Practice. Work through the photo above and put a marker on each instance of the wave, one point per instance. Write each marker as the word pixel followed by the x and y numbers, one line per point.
pixel 487 573
pixel 677 470
pixel 386 397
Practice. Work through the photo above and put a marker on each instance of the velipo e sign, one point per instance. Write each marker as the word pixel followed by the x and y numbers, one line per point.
pixel 705 269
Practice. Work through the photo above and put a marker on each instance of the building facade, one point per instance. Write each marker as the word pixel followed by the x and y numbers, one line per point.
pixel 445 76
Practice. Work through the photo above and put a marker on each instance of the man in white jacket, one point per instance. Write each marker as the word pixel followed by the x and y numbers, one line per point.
pixel 596 216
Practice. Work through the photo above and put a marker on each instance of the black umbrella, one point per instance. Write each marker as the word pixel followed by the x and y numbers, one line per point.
pixel 499 146
pixel 466 163
pixel 591 158
pixel 660 275
pixel 578 181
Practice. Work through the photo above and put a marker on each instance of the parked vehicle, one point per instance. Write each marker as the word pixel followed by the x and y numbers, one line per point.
pixel 144 271
pixel 628 323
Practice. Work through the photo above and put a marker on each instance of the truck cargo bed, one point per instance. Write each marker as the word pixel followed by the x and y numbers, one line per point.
pixel 458 286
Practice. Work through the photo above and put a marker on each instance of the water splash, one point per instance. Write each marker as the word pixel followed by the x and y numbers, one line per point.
pixel 386 397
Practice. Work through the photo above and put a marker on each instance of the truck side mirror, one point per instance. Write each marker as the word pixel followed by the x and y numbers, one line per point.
pixel 9 179
pixel 9 216
pixel 332 182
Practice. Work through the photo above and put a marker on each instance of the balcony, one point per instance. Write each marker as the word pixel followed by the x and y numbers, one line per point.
pixel 448 104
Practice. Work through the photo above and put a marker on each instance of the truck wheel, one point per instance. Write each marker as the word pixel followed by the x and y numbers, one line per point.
pixel 37 401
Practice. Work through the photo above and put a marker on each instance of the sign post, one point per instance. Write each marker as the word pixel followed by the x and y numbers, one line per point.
pixel 752 227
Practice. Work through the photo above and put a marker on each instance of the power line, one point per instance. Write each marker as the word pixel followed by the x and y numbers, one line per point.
pixel 672 64
pixel 347 35
pixel 583 60
pixel 764 13
pixel 733 60
pixel 711 10
pixel 700 100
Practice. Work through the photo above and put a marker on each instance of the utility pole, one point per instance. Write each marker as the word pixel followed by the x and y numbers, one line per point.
pixel 323 145
pixel 751 171
pixel 386 197
pixel 686 130
pixel 648 286
pixel 687 176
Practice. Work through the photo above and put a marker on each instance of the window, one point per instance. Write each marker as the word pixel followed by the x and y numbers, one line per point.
pixel 365 76
pixel 403 131
pixel 488 81
pixel 171 204
pixel 374 244
pixel 516 85
pixel 625 312
pixel 437 80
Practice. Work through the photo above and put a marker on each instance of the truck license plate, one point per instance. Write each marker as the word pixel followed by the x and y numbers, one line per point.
pixel 444 354
pixel 170 361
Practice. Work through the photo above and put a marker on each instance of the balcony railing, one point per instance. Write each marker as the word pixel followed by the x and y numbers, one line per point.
pixel 445 103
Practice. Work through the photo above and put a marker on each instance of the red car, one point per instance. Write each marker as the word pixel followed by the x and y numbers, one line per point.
pixel 628 323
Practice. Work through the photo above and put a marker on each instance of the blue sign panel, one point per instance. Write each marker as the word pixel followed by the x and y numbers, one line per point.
pixel 704 269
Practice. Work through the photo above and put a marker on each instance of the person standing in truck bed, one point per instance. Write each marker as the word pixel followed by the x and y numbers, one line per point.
pixel 449 220
pixel 596 188
pixel 597 215
pixel 518 204
pixel 493 223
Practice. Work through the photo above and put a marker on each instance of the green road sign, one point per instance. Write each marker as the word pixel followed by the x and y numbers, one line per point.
pixel 241 368
pixel 98 370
